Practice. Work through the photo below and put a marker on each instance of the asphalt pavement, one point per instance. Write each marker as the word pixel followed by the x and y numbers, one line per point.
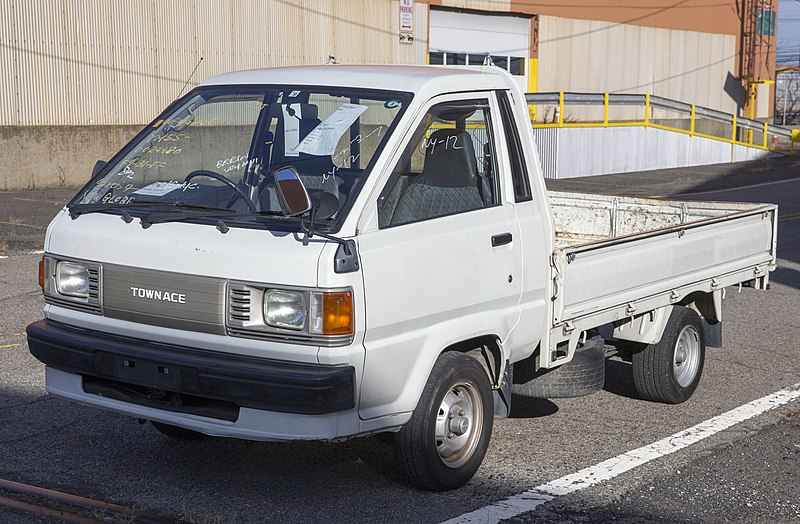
pixel 685 180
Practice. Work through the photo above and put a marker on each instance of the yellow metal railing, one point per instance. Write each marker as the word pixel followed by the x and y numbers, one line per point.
pixel 743 131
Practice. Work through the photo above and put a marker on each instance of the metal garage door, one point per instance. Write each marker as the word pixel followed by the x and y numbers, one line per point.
pixel 459 38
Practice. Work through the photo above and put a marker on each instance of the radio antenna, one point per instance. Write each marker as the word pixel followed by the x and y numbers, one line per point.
pixel 190 77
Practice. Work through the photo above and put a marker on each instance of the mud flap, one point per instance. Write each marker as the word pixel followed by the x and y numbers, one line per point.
pixel 502 395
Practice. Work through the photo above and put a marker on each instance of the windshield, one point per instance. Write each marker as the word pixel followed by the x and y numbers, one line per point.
pixel 215 151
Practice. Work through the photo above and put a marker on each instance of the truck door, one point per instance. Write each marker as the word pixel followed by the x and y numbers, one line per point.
pixel 443 264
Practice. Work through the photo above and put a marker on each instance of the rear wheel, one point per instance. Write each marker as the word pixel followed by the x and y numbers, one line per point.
pixel 670 370
pixel 444 443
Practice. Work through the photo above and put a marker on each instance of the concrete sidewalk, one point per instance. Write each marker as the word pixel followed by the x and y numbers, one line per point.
pixel 24 215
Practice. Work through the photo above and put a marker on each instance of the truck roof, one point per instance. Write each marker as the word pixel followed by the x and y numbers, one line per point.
pixel 410 78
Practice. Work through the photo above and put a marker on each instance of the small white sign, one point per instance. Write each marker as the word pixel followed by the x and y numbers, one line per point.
pixel 406 16
pixel 158 189
pixel 322 140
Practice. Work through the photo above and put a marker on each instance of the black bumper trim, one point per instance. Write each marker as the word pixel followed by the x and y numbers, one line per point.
pixel 246 381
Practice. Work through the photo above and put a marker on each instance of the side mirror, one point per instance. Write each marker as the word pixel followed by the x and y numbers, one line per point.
pixel 98 166
pixel 292 193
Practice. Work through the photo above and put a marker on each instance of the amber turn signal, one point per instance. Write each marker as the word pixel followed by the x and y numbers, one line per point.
pixel 332 313
pixel 41 274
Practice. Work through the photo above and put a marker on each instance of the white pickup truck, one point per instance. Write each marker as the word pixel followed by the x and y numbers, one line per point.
pixel 337 251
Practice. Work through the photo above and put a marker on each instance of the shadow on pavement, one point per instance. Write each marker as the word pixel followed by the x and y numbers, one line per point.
pixel 524 407
pixel 619 379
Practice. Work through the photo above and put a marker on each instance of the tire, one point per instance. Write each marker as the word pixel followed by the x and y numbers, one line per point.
pixel 583 375
pixel 176 432
pixel 670 370
pixel 444 443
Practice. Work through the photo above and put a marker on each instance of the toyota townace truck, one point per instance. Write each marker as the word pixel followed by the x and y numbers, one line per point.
pixel 338 251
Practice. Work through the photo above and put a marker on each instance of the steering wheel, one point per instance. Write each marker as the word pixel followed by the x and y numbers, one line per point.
pixel 228 182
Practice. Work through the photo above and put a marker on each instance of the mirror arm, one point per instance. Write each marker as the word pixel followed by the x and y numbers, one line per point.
pixel 346 258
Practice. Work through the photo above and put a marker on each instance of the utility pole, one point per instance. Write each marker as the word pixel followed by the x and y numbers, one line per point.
pixel 758 30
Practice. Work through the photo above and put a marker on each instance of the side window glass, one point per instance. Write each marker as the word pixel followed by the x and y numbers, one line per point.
pixel 447 168
pixel 519 172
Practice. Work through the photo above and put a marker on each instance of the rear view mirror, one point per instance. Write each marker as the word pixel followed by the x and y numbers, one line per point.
pixel 292 193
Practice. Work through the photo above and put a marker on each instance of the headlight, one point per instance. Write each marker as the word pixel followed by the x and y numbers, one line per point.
pixel 72 279
pixel 284 309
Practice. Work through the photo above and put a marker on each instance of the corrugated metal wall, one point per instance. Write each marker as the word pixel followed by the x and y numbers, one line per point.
pixel 547 146
pixel 83 62
pixel 577 152
pixel 594 56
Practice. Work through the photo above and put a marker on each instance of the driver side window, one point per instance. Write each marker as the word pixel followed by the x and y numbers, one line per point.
pixel 447 168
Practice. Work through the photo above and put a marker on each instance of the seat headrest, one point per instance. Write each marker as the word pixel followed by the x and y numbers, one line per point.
pixel 450 159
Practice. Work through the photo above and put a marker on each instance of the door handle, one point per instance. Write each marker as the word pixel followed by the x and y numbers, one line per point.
pixel 501 239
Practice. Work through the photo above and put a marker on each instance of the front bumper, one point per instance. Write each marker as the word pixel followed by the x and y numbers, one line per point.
pixel 187 380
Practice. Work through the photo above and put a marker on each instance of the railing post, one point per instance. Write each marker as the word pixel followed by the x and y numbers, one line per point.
pixel 646 109
pixel 691 125
pixel 765 135
pixel 605 109
pixel 561 108
pixel 733 139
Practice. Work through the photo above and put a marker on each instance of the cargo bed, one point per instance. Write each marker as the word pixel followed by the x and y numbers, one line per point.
pixel 616 257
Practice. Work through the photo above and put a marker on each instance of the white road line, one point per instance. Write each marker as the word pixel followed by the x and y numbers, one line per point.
pixel 608 469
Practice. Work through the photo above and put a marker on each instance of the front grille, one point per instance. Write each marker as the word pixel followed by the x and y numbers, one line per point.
pixel 165 299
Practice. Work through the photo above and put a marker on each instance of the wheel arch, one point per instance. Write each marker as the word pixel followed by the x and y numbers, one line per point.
pixel 648 328
pixel 487 350
pixel 417 366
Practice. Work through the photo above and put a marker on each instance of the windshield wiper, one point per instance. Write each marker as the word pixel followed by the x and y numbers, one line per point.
pixel 170 207
pixel 182 212
pixel 84 209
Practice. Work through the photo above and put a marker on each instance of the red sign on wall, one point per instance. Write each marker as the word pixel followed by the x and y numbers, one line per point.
pixel 406 16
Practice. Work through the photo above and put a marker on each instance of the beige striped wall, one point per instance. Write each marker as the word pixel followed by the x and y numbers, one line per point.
pixel 79 76
pixel 594 56
pixel 90 62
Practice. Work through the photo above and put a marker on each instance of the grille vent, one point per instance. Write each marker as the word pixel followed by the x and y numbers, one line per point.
pixel 239 303
pixel 94 284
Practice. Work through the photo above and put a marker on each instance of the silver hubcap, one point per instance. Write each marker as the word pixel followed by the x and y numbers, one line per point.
pixel 686 360
pixel 458 424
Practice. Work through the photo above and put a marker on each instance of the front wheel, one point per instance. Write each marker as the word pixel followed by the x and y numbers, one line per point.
pixel 444 443
pixel 670 370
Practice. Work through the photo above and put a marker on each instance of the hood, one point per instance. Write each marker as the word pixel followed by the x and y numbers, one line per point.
pixel 251 255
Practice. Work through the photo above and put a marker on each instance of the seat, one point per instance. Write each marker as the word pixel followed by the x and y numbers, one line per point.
pixel 448 183
pixel 316 172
